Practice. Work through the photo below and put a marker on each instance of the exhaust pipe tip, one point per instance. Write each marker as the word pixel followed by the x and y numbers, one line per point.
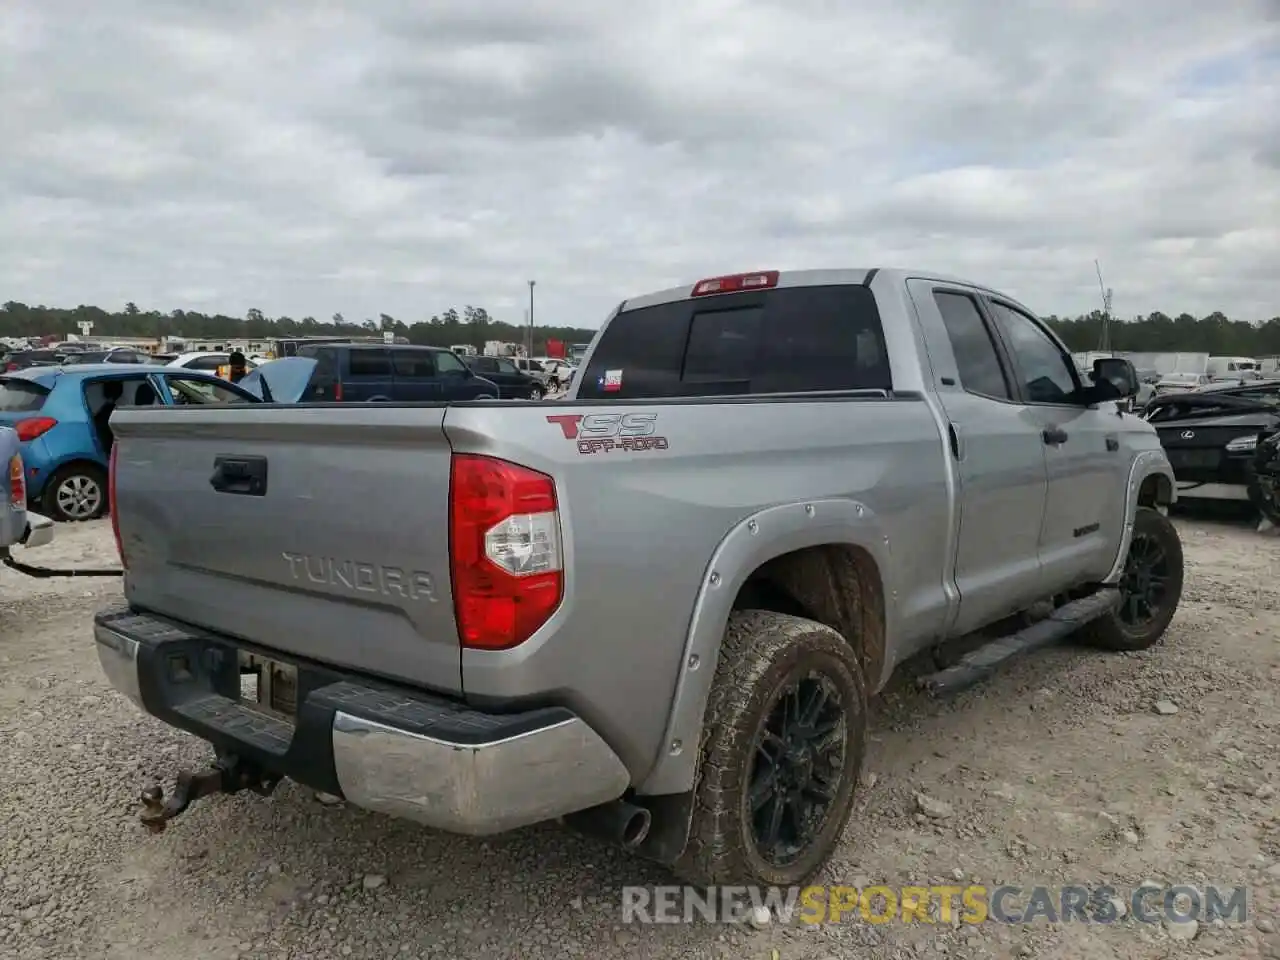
pixel 636 828
pixel 618 822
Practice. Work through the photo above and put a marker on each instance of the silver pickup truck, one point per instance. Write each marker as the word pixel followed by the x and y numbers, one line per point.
pixel 18 526
pixel 655 609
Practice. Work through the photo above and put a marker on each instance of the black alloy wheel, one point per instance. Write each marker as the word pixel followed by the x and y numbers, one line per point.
pixel 799 761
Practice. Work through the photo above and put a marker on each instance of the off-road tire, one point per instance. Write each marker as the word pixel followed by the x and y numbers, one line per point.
pixel 763 654
pixel 88 472
pixel 1112 632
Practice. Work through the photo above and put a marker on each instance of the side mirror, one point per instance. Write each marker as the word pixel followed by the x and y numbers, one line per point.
pixel 1115 374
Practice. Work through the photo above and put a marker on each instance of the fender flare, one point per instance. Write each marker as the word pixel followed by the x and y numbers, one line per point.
pixel 754 540
pixel 1149 463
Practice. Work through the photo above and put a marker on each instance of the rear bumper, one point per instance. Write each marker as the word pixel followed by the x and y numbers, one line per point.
pixel 39 531
pixel 400 752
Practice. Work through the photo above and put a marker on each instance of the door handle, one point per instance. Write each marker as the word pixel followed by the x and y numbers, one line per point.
pixel 246 476
pixel 1054 436
pixel 1112 444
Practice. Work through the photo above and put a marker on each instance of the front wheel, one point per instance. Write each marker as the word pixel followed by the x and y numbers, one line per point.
pixel 77 491
pixel 784 736
pixel 1150 587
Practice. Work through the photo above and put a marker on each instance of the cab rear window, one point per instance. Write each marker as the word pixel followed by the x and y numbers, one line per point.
pixel 21 396
pixel 788 340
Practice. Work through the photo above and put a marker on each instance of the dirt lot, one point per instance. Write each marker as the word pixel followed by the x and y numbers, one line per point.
pixel 1060 770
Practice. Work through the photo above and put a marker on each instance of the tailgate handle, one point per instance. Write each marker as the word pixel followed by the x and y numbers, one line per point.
pixel 242 475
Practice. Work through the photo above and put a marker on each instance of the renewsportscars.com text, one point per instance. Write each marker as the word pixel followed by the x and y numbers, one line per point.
pixel 974 903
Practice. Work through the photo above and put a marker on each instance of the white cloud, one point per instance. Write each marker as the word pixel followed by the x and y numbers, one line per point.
pixel 373 156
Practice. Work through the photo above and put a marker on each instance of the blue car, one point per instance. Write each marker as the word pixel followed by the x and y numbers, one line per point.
pixel 62 418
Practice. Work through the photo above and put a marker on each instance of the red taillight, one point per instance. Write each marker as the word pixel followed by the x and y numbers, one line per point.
pixel 337 392
pixel 17 482
pixel 11 367
pixel 762 280
pixel 111 504
pixel 504 543
pixel 34 427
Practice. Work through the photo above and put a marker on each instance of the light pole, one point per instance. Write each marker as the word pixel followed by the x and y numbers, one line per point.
pixel 529 345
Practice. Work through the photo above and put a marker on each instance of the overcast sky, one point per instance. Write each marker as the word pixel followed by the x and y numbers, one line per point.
pixel 387 156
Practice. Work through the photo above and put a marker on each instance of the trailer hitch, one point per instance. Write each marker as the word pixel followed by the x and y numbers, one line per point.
pixel 228 775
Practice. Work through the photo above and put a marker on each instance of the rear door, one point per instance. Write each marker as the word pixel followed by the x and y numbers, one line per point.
pixel 368 374
pixel 415 375
pixel 998 452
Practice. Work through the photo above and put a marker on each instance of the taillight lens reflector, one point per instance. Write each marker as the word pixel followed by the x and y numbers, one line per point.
pixel 34 427
pixel 761 280
pixel 111 503
pixel 506 551
pixel 17 482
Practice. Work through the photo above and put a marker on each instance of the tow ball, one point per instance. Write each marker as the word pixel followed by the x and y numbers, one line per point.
pixel 228 775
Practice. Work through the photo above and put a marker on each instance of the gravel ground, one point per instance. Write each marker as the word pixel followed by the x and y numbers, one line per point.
pixel 1059 770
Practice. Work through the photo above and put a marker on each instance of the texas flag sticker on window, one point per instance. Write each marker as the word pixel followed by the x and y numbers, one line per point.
pixel 611 382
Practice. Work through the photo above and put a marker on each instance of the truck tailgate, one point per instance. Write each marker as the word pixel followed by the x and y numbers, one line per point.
pixel 325 533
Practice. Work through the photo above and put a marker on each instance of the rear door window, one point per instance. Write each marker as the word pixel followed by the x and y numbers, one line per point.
pixel 977 361
pixel 789 340
pixel 369 363
pixel 21 396
pixel 413 364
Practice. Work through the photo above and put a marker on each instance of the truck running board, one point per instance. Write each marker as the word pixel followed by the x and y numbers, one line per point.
pixel 980 663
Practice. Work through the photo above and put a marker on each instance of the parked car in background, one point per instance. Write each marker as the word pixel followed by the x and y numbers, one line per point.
pixel 358 372
pixel 559 372
pixel 62 419
pixel 18 526
pixel 533 368
pixel 114 355
pixel 1210 435
pixel 217 362
pixel 512 384
pixel 22 359
pixel 1180 382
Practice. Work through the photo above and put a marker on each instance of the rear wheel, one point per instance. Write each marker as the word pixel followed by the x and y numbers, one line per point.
pixel 1150 587
pixel 536 392
pixel 77 491
pixel 782 748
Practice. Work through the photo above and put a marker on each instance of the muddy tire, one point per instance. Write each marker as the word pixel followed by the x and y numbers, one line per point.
pixel 782 748
pixel 1150 587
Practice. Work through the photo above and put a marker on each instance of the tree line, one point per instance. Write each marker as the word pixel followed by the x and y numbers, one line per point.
pixel 472 325
pixel 1155 333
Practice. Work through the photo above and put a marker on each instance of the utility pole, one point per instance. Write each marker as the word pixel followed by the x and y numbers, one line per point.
pixel 1105 344
pixel 528 347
